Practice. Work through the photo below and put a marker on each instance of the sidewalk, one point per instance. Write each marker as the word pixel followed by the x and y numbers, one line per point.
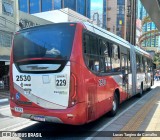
pixel 143 116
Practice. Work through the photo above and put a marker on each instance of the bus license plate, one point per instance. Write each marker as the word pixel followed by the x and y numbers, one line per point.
pixel 18 109
pixel 39 118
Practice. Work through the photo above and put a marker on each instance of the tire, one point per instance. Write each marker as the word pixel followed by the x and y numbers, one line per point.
pixel 150 86
pixel 141 92
pixel 114 106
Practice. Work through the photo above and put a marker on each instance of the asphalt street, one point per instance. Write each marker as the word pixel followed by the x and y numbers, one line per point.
pixel 10 123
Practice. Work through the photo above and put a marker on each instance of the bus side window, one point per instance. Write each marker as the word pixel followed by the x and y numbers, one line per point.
pixel 129 62
pixel 149 65
pixel 90 45
pixel 142 67
pixel 138 61
pixel 86 43
pixel 101 56
pixel 105 59
pixel 86 59
pixel 96 66
pixel 115 58
pixel 91 64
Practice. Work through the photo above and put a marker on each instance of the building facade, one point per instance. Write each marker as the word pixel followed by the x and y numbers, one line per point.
pixel 151 40
pixel 10 19
pixel 112 16
pixel 116 17
pixel 82 7
pixel 138 30
pixel 8 25
pixel 37 6
pixel 121 18
pixel 104 14
pixel 63 15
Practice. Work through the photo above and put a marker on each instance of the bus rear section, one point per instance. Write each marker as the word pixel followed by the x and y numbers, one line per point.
pixel 43 86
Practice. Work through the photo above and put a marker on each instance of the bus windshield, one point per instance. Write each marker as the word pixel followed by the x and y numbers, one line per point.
pixel 50 41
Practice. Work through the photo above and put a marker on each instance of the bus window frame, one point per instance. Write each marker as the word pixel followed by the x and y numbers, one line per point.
pixel 107 40
pixel 84 54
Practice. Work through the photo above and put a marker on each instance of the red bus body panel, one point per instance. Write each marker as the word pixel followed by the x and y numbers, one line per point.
pixel 93 100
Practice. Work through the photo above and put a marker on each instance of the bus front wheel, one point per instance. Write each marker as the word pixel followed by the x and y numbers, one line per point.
pixel 114 106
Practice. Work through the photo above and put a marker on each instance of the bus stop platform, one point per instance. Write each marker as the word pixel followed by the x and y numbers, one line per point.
pixel 140 121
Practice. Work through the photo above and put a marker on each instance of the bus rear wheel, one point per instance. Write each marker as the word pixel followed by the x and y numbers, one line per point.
pixel 141 91
pixel 114 106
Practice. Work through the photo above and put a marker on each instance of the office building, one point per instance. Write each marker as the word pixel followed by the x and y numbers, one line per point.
pixel 82 7
pixel 10 19
pixel 138 30
pixel 112 16
pixel 8 13
pixel 62 15
pixel 116 17
pixel 151 40
pixel 37 6
pixel 121 18
pixel 104 14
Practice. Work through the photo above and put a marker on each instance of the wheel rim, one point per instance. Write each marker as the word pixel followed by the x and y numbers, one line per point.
pixel 114 105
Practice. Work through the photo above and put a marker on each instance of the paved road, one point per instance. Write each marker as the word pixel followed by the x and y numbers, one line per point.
pixel 10 123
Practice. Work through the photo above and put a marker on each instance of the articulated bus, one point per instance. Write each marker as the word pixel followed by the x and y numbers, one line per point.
pixel 73 73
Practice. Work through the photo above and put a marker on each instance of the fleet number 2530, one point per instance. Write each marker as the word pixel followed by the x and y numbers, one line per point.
pixel 23 78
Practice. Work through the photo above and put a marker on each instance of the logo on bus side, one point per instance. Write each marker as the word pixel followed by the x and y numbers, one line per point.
pixel 61 92
pixel 17 96
pixel 102 82
pixel 27 91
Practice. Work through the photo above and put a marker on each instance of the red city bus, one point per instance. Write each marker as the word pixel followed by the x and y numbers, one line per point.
pixel 73 73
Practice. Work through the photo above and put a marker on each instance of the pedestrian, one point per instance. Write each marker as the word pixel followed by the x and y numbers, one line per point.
pixel 157 76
